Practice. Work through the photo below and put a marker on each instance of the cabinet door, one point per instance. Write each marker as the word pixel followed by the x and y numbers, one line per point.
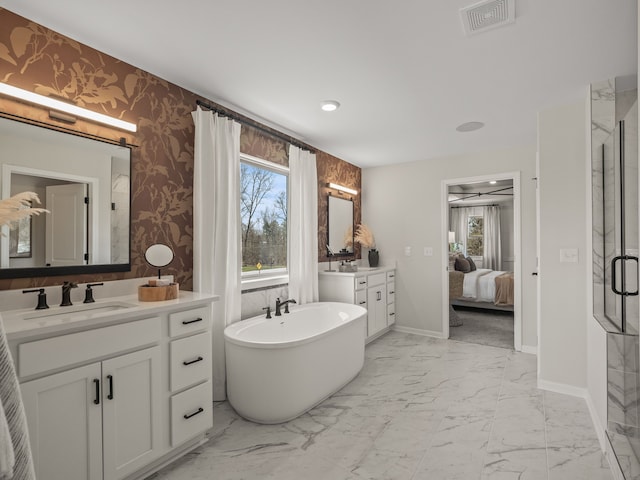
pixel 64 417
pixel 377 309
pixel 131 416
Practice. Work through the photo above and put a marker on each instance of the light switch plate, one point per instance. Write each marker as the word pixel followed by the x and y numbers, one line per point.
pixel 407 251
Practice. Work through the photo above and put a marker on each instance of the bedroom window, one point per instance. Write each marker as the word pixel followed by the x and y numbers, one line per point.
pixel 474 237
pixel 263 210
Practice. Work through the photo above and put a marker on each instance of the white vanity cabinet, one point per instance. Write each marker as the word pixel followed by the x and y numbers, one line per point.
pixel 121 397
pixel 109 407
pixel 373 289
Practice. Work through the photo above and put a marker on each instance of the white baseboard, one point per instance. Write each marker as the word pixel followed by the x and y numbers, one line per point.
pixel 532 349
pixel 418 331
pixel 600 429
pixel 563 388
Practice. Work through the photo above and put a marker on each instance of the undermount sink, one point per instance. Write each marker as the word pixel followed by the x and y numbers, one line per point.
pixel 85 310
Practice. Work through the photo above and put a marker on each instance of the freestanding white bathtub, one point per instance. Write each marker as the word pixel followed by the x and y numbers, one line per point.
pixel 279 368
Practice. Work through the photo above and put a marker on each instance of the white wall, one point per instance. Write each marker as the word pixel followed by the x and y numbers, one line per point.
pixel 403 205
pixel 562 146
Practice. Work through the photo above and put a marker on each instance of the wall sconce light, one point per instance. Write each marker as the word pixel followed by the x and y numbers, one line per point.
pixel 65 107
pixel 335 186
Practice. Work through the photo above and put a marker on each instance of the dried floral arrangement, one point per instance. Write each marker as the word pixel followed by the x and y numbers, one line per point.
pixel 364 237
pixel 18 207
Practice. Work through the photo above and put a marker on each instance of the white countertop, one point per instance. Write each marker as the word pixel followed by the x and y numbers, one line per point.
pixel 57 320
pixel 361 271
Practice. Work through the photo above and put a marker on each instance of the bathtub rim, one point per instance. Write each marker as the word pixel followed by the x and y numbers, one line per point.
pixel 293 343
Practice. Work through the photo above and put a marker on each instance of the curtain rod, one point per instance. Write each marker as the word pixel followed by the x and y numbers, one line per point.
pixel 254 124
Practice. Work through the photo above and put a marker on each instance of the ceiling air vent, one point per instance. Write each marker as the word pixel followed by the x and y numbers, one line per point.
pixel 487 14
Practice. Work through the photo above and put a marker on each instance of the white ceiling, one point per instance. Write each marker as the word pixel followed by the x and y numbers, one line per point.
pixel 404 72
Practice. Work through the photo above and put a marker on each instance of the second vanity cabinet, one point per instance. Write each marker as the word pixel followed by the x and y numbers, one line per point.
pixel 118 401
pixel 372 289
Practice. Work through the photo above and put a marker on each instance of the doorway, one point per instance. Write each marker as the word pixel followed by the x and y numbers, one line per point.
pixel 482 260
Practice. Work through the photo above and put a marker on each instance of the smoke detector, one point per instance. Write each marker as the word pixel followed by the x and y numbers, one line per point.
pixel 487 15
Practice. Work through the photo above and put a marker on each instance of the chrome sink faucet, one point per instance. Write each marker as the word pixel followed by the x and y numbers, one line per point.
pixel 284 304
pixel 66 293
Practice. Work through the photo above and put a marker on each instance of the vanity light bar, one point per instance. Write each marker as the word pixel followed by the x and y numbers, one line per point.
pixel 343 189
pixel 65 107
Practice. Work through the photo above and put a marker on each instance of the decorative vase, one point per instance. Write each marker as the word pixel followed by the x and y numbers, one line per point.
pixel 374 256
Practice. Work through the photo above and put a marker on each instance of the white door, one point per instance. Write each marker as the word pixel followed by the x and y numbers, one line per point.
pixel 132 424
pixel 66 241
pixel 64 417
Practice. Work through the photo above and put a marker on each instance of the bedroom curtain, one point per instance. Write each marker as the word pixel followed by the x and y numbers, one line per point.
pixel 216 227
pixel 459 223
pixel 491 238
pixel 303 226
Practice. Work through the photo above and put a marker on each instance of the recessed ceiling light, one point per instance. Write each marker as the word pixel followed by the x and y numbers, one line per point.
pixel 330 105
pixel 469 126
pixel 493 182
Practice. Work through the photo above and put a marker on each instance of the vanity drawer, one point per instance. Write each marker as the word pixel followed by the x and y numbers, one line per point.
pixel 361 298
pixel 191 413
pixel 377 279
pixel 391 276
pixel 391 314
pixel 391 292
pixel 360 283
pixel 189 321
pixel 190 360
pixel 74 348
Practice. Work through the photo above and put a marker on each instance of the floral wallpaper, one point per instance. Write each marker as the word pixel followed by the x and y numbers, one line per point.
pixel 35 58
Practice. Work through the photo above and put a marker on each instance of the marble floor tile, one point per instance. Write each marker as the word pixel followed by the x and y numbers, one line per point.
pixel 420 409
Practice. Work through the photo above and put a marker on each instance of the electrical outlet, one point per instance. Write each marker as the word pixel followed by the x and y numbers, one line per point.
pixel 428 251
pixel 568 255
pixel 407 251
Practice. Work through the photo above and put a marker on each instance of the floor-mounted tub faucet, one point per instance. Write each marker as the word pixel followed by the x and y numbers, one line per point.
pixel 280 304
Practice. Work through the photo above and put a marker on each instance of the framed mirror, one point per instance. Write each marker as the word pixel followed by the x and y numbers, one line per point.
pixel 84 183
pixel 340 226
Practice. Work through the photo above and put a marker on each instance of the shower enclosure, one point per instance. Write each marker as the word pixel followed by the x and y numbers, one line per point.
pixel 615 273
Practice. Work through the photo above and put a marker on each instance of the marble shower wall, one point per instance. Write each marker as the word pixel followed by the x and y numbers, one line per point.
pixel 608 107
pixel 38 59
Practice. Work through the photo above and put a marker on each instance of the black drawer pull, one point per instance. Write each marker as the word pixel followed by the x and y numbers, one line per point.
pixel 188 322
pixel 362 303
pixel 392 314
pixel 110 378
pixel 362 283
pixel 199 359
pixel 391 276
pixel 96 400
pixel 187 417
pixel 391 293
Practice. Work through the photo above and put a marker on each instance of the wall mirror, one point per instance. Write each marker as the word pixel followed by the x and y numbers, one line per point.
pixel 340 227
pixel 84 183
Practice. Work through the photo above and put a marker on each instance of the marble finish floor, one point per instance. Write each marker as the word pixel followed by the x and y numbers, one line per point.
pixel 421 409
pixel 486 327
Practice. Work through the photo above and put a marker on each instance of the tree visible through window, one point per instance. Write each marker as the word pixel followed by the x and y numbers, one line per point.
pixel 263 209
pixel 474 237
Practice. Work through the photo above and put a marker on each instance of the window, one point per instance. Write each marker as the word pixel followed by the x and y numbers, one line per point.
pixel 263 210
pixel 475 245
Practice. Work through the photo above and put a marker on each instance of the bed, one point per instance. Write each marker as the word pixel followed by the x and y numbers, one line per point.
pixel 485 288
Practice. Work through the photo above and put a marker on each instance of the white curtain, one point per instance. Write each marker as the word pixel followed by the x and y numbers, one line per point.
pixel 216 227
pixel 491 238
pixel 303 226
pixel 459 223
